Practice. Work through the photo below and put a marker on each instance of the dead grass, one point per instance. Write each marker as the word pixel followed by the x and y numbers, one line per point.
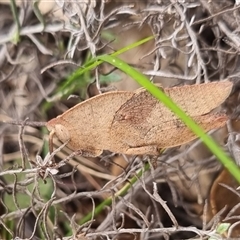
pixel 195 41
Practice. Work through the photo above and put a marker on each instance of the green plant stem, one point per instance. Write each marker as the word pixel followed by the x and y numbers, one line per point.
pixel 121 192
pixel 38 13
pixel 16 19
pixel 226 161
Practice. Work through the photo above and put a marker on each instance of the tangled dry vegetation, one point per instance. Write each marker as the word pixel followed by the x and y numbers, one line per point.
pixel 186 194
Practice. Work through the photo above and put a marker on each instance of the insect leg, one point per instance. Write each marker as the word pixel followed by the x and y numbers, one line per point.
pixel 151 150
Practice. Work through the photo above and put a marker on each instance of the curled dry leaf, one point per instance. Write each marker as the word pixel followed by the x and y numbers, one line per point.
pixel 222 197
pixel 136 122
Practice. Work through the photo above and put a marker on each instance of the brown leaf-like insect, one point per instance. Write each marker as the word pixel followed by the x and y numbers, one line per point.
pixel 136 122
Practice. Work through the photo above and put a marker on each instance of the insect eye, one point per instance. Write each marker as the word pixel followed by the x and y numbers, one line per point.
pixel 62 132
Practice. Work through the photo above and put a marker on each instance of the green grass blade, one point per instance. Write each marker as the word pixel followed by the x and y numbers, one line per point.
pixel 93 63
